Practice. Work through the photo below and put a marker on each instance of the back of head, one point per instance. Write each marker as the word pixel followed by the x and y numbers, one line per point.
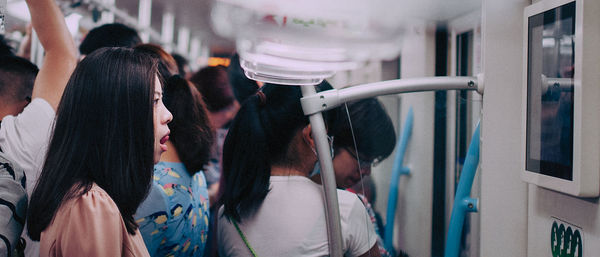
pixel 243 87
pixel 5 48
pixel 166 64
pixel 109 35
pixel 213 84
pixel 373 129
pixel 17 76
pixel 181 64
pixel 104 134
pixel 260 136
pixel 190 128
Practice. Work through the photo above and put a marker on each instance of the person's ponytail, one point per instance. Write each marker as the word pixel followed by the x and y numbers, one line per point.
pixel 260 136
pixel 246 169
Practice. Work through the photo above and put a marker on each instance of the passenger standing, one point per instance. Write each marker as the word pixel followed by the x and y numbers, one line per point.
pixel 271 207
pixel 111 129
pixel 24 137
pixel 17 76
pixel 364 126
pixel 109 35
pixel 368 130
pixel 174 217
pixel 183 66
pixel 5 48
pixel 213 84
pixel 243 87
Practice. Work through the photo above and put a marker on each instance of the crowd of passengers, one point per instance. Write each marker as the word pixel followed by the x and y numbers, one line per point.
pixel 120 150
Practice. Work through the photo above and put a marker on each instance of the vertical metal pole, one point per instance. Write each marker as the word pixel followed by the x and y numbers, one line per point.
pixel 195 51
pixel 144 16
pixel 183 40
pixel 319 134
pixel 202 58
pixel 108 16
pixel 462 201
pixel 168 27
pixel 397 170
pixel 37 50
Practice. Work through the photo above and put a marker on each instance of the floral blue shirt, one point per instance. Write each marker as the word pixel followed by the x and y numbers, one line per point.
pixel 174 217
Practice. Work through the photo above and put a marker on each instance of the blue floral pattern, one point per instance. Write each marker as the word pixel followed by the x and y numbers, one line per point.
pixel 174 217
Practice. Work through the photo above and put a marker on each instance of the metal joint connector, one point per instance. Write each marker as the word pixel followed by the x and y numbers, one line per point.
pixel 319 102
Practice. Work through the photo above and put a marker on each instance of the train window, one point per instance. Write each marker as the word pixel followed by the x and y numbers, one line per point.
pixel 464 49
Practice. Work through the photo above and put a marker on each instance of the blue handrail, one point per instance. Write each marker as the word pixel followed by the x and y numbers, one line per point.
pixel 463 203
pixel 397 171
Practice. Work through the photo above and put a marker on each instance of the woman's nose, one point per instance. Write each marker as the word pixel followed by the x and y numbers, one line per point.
pixel 168 117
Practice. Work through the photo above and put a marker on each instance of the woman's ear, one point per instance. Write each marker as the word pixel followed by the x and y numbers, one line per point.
pixel 307 136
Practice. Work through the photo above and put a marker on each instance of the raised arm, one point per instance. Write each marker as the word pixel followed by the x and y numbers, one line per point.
pixel 61 54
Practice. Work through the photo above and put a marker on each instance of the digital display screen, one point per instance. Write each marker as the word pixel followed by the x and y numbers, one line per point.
pixel 550 70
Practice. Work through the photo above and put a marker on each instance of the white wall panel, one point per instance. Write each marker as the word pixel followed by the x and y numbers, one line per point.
pixel 503 208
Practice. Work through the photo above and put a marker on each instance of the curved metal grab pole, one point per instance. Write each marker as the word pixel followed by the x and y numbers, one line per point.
pixel 397 171
pixel 463 202
pixel 314 103
pixel 332 210
pixel 330 99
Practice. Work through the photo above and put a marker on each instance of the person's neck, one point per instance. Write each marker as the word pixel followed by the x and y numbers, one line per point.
pixel 171 154
pixel 287 171
pixel 316 179
pixel 9 109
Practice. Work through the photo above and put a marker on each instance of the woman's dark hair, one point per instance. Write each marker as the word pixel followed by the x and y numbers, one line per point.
pixel 260 136
pixel 373 129
pixel 104 134
pixel 243 87
pixel 109 35
pixel 181 63
pixel 166 64
pixel 5 48
pixel 191 133
pixel 213 84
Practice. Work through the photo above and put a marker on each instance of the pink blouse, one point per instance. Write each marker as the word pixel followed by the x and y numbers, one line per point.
pixel 90 225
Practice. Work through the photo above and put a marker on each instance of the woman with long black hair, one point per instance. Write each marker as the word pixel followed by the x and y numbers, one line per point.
pixel 110 129
pixel 174 218
pixel 271 207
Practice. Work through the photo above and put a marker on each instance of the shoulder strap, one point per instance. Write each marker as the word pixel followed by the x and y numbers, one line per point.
pixel 243 237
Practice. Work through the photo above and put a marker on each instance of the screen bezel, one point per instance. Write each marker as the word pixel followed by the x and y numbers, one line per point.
pixel 540 166
pixel 586 135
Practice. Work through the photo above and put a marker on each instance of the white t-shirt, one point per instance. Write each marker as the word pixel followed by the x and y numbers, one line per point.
pixel 291 222
pixel 24 139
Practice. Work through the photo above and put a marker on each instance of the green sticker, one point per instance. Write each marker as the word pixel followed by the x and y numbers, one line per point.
pixel 565 241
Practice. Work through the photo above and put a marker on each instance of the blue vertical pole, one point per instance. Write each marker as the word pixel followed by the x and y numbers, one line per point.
pixel 397 171
pixel 463 203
